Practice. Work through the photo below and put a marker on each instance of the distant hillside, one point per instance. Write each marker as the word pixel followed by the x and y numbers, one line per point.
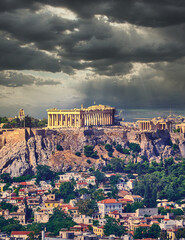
pixel 23 149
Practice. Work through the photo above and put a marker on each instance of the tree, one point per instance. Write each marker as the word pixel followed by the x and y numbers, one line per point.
pixel 163 235
pixel 89 151
pixel 59 220
pixel 117 164
pixel 88 161
pixel 150 196
pixel 9 206
pixel 109 148
pixel 44 173
pixel 134 147
pixel 180 233
pixel 100 177
pixel 59 148
pixel 3 120
pixel 98 195
pixel 119 148
pixel 9 225
pixel 6 178
pixel 43 122
pixel 154 231
pixel 114 179
pixel 67 191
pixel 95 223
pixel 87 207
pixel 131 208
pixel 139 232
pixel 78 154
pixel 112 227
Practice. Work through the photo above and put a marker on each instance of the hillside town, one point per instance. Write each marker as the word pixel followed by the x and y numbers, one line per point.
pixel 96 206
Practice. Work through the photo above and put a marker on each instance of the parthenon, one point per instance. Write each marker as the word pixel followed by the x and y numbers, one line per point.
pixel 96 115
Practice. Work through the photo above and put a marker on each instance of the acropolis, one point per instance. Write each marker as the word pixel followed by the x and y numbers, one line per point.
pixel 96 115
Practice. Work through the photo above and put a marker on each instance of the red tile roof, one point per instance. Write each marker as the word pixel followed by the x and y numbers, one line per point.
pixel 144 225
pixel 109 201
pixel 115 212
pixel 20 232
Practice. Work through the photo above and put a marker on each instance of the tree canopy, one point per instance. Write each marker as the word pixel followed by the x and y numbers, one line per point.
pixel 59 220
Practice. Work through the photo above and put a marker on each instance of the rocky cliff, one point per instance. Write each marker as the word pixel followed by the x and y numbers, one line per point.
pixel 24 149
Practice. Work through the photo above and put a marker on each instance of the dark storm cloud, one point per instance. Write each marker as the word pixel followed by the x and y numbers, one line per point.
pixel 15 79
pixel 16 57
pixel 146 90
pixel 11 5
pixel 34 37
pixel 44 29
pixel 101 47
pixel 139 12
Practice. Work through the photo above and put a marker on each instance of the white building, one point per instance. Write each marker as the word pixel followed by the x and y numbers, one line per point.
pixel 130 184
pixel 171 224
pixel 91 180
pixel 83 219
pixel 69 176
pixel 108 205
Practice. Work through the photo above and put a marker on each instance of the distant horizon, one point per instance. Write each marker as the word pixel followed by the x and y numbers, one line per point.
pixel 130 115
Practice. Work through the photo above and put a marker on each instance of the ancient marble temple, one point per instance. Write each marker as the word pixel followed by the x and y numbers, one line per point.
pixel 96 115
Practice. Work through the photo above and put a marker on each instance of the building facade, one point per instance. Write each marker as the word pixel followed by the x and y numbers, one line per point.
pixel 108 205
pixel 97 115
pixel 181 127
pixel 21 114
pixel 154 124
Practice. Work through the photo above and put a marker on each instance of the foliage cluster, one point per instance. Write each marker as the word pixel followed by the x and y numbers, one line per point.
pixel 167 181
pixel 9 206
pixel 9 225
pixel 89 151
pixel 44 173
pixel 58 221
pixel 27 122
pixel 152 232
pixel 112 227
pixel 59 148
pixel 87 207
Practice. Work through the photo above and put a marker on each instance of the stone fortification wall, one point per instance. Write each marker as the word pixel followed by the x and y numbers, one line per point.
pixel 13 136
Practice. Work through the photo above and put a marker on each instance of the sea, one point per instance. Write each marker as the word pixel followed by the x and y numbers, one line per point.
pixel 132 115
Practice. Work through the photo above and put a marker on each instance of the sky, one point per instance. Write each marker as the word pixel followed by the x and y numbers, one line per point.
pixel 129 54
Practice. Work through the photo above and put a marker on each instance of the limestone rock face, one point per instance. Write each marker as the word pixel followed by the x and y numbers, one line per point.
pixel 182 148
pixel 23 155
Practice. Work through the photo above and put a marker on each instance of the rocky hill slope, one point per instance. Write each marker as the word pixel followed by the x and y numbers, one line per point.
pixel 24 149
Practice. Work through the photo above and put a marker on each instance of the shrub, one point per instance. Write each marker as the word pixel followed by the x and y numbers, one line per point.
pixel 175 147
pixel 108 147
pixel 89 151
pixel 78 154
pixel 119 148
pixel 144 157
pixel 125 151
pixel 134 147
pixel 59 148
pixel 110 154
pixel 88 161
